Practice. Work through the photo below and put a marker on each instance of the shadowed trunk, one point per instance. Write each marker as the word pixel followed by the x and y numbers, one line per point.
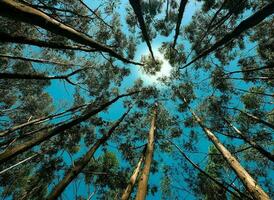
pixel 43 61
pixel 179 21
pixel 251 185
pixel 143 181
pixel 4 37
pixel 251 142
pixel 255 118
pixel 40 120
pixel 82 162
pixel 138 12
pixel 242 27
pixel 13 151
pixel 223 185
pixel 133 177
pixel 25 13
pixel 37 76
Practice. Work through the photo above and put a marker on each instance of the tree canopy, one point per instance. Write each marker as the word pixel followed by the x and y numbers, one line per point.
pixel 136 99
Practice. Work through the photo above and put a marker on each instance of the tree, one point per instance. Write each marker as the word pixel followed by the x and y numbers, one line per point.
pixel 133 178
pixel 255 190
pixel 76 169
pixel 143 180
pixel 67 75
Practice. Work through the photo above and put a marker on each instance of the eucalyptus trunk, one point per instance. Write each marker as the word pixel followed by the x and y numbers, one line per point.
pixel 224 185
pixel 7 38
pixel 251 185
pixel 252 143
pixel 82 162
pixel 179 20
pixel 24 13
pixel 246 24
pixel 257 119
pixel 135 4
pixel 143 181
pixel 43 136
pixel 133 178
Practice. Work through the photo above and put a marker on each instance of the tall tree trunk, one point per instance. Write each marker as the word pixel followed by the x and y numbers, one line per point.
pixel 223 185
pixel 210 26
pixel 133 177
pixel 4 37
pixel 251 185
pixel 167 10
pixel 82 162
pixel 251 142
pixel 179 20
pixel 135 4
pixel 39 138
pixel 25 13
pixel 243 26
pixel 255 118
pixel 143 181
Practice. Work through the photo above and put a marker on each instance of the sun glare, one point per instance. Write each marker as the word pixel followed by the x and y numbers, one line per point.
pixel 164 72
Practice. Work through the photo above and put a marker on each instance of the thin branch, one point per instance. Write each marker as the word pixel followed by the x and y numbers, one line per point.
pixel 94 13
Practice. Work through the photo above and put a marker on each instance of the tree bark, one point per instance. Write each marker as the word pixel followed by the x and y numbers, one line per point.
pixel 13 151
pixel 4 37
pixel 40 76
pixel 246 24
pixel 254 117
pixel 167 10
pixel 25 13
pixel 82 162
pixel 143 181
pixel 179 20
pixel 223 185
pixel 251 142
pixel 133 178
pixel 251 185
pixel 135 4
pixel 210 27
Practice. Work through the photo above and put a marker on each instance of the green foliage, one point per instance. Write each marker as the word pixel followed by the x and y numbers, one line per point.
pixel 226 84
pixel 151 66
pixel 205 187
